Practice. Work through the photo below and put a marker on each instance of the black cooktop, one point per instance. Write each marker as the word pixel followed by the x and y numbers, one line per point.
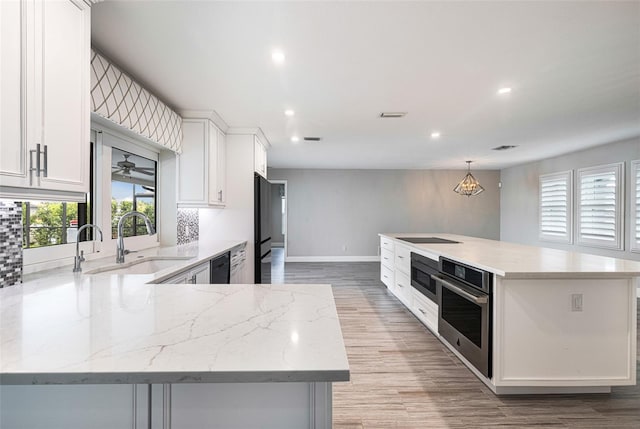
pixel 427 240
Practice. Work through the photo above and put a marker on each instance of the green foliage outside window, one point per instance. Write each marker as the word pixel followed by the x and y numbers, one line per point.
pixel 47 223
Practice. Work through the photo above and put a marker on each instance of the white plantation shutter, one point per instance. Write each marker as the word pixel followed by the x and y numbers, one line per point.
pixel 600 206
pixel 556 207
pixel 635 206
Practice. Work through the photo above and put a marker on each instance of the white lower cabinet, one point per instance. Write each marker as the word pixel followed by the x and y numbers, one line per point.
pixel 96 406
pixel 249 405
pixel 425 310
pixel 238 264
pixel 200 274
pixel 386 277
pixel 403 288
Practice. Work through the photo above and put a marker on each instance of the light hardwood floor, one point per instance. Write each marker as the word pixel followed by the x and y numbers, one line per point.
pixel 403 377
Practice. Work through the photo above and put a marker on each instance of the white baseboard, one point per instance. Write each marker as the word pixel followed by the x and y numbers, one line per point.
pixel 332 259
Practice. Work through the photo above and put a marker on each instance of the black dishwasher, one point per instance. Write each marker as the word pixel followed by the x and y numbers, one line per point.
pixel 220 268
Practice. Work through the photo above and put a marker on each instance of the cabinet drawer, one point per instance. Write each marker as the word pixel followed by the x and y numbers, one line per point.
pixel 425 310
pixel 386 276
pixel 403 288
pixel 403 259
pixel 387 258
pixel 386 243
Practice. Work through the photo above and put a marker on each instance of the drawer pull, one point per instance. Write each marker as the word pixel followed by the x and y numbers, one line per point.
pixel 400 284
pixel 385 277
pixel 401 257
pixel 422 311
pixel 386 258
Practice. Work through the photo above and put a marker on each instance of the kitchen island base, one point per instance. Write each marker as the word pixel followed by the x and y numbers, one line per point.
pixel 166 406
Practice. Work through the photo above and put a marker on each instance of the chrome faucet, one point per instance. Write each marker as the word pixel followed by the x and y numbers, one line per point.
pixel 79 258
pixel 120 251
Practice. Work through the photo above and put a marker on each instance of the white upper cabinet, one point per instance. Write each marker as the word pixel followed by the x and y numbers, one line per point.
pixel 260 158
pixel 202 165
pixel 45 116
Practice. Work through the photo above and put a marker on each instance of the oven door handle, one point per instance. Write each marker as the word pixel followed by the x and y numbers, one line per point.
pixel 480 300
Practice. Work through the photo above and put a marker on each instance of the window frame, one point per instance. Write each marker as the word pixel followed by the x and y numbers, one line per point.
pixel 568 237
pixel 634 202
pixel 618 170
pixel 107 139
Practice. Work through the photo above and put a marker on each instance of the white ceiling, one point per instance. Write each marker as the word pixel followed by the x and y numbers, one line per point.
pixel 574 68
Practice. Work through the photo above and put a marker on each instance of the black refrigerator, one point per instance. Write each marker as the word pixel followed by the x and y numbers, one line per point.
pixel 262 229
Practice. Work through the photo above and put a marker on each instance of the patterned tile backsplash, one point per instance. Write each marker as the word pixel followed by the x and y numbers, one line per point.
pixel 187 225
pixel 10 243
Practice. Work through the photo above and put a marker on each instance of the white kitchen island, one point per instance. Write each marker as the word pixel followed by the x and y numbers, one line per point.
pixel 542 340
pixel 113 352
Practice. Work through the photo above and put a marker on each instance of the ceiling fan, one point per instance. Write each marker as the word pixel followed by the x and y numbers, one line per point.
pixel 126 167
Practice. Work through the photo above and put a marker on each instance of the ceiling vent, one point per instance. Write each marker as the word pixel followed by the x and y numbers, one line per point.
pixel 312 139
pixel 504 147
pixel 393 114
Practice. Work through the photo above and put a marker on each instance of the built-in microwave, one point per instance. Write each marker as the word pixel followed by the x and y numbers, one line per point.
pixel 422 269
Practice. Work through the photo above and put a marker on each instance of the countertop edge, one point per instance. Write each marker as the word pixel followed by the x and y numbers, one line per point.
pixel 79 378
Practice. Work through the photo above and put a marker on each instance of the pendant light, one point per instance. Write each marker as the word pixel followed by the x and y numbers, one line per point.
pixel 469 185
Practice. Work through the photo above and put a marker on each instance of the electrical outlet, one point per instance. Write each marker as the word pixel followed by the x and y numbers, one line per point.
pixel 576 302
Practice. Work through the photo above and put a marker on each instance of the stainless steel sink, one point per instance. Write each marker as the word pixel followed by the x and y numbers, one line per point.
pixel 144 265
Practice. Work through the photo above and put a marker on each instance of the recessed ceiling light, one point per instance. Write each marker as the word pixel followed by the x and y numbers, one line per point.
pixel 289 112
pixel 277 57
pixel 435 135
pixel 503 91
pixel 295 139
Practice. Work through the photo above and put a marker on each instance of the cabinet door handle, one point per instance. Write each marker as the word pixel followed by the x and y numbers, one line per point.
pixel 401 257
pixel 400 284
pixel 46 159
pixel 422 311
pixel 220 195
pixel 385 276
pixel 385 258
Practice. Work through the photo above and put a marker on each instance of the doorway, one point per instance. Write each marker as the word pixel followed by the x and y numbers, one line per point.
pixel 279 211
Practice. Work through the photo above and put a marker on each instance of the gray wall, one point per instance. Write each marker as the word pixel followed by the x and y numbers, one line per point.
pixel 340 212
pixel 276 214
pixel 519 196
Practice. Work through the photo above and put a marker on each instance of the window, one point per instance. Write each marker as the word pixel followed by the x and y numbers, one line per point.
pixel 556 207
pixel 600 202
pixel 52 223
pixel 635 206
pixel 133 187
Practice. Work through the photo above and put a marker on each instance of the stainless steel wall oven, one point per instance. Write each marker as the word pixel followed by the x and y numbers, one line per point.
pixel 465 311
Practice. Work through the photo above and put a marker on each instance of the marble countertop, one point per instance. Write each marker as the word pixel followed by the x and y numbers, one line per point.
pixel 194 253
pixel 513 260
pixel 60 327
pixel 117 329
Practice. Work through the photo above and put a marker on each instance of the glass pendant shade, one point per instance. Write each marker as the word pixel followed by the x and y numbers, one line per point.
pixel 469 185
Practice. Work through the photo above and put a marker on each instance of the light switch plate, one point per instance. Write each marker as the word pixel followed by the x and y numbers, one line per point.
pixel 576 302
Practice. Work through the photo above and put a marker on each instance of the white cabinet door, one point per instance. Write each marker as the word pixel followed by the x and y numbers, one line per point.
pixel 201 165
pixel 101 406
pixel 260 158
pixel 222 168
pixel 212 171
pixel 180 278
pixel 192 164
pixel 201 274
pixel 13 150
pixel 44 95
pixel 62 112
